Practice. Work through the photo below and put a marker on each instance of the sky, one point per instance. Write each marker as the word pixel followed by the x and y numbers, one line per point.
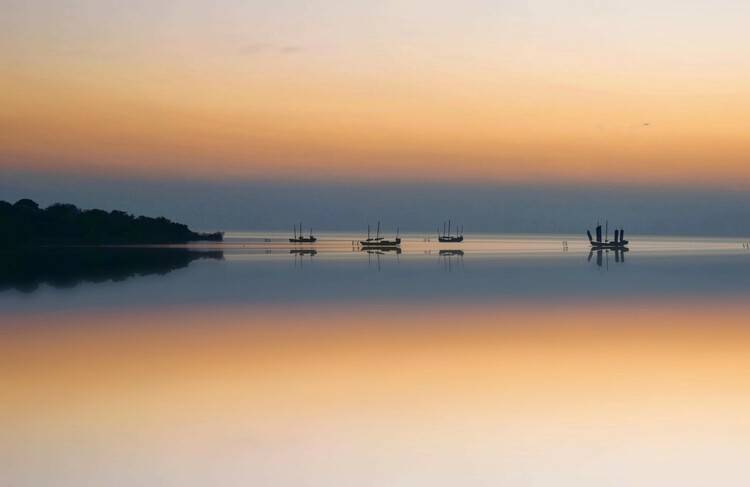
pixel 646 96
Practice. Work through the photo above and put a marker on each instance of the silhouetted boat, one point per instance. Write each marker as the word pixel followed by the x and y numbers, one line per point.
pixel 378 241
pixel 446 237
pixel 451 239
pixel 618 243
pixel 299 238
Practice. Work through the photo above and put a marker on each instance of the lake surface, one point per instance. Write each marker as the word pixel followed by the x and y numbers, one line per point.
pixel 504 360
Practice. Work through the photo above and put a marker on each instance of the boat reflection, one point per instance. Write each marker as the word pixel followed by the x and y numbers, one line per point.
pixel 378 253
pixel 300 255
pixel 382 250
pixel 453 252
pixel 309 252
pixel 602 256
pixel 452 258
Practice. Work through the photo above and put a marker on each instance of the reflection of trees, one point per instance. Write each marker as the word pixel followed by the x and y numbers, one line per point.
pixel 25 270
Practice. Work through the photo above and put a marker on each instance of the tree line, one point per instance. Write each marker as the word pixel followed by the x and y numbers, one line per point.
pixel 24 223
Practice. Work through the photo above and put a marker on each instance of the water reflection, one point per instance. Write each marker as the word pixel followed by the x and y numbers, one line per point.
pixel 602 256
pixel 374 255
pixel 300 256
pixel 241 364
pixel 452 259
pixel 309 252
pixel 382 250
pixel 451 252
pixel 26 270
pixel 655 394
pixel 239 275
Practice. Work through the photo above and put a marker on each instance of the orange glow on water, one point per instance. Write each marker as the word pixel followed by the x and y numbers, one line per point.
pixel 467 381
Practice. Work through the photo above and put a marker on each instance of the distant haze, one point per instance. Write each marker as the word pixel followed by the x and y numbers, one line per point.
pixel 412 207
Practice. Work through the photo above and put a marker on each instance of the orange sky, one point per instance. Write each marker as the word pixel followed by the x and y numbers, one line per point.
pixel 415 90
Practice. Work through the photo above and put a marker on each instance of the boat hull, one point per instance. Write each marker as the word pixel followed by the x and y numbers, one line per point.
pixel 303 240
pixel 380 243
pixel 451 239
pixel 609 245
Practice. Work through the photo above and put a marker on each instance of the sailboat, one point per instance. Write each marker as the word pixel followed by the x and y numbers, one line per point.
pixel 447 237
pixel 300 238
pixel 618 243
pixel 378 241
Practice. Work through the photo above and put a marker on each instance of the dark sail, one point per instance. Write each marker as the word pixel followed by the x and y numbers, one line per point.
pixel 618 242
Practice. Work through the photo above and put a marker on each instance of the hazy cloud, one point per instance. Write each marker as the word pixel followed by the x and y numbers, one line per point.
pixel 269 48
pixel 290 49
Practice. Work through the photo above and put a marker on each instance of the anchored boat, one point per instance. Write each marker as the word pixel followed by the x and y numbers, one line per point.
pixel 447 237
pixel 379 242
pixel 618 243
pixel 299 238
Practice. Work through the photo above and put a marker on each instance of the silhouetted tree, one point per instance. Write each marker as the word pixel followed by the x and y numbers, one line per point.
pixel 25 224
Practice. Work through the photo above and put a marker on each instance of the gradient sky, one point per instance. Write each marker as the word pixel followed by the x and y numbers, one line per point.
pixel 559 92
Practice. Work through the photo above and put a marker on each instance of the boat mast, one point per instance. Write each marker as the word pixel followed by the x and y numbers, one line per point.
pixel 606 231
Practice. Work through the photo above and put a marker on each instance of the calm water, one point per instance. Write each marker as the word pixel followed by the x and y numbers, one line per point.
pixel 509 360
